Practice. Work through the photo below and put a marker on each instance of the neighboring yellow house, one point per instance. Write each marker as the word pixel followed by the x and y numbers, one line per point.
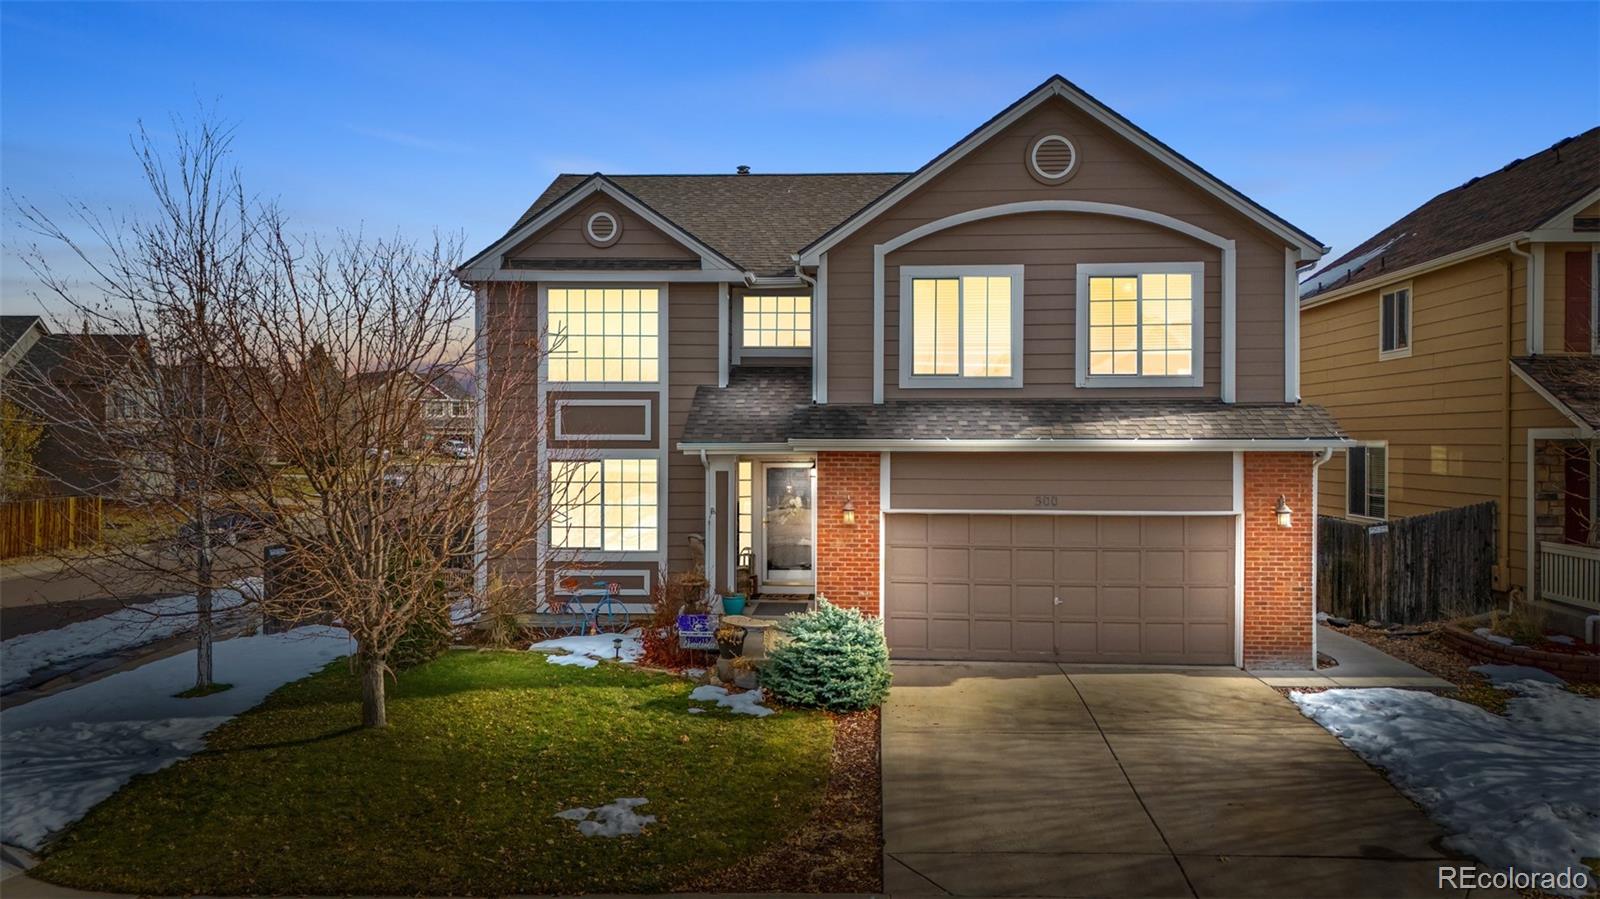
pixel 1423 343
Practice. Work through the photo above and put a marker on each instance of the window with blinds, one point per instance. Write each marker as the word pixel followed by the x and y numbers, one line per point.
pixel 964 327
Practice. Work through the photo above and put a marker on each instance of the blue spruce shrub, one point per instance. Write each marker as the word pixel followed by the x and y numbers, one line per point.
pixel 835 659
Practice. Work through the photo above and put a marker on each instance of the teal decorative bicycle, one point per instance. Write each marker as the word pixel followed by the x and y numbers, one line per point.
pixel 595 610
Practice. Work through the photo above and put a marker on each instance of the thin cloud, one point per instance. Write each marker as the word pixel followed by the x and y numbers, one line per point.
pixel 409 140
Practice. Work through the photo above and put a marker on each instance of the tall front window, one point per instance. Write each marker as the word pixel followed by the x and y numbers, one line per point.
pixel 1367 481
pixel 777 322
pixel 1140 324
pixel 746 510
pixel 961 327
pixel 604 334
pixel 608 505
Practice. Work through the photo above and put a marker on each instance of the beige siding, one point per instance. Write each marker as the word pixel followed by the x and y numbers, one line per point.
pixel 1079 482
pixel 1110 171
pixel 564 238
pixel 512 323
pixel 692 362
pixel 1454 416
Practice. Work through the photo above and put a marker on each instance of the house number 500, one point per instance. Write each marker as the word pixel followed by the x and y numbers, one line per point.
pixel 1046 502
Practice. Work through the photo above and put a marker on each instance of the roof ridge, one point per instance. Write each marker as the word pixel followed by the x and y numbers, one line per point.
pixel 730 174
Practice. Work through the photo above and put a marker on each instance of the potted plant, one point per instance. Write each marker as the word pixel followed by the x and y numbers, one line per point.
pixel 730 640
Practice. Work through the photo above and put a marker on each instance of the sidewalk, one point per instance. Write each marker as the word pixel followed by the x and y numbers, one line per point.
pixel 1359 665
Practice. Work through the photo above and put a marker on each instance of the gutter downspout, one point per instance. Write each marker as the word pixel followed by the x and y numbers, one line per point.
pixel 1317 463
pixel 1503 525
pixel 812 283
pixel 1534 345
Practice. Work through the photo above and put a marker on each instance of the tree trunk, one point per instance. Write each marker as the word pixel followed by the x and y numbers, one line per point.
pixel 202 602
pixel 373 711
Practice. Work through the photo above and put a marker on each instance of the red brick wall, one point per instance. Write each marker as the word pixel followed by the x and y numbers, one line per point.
pixel 847 555
pixel 1278 604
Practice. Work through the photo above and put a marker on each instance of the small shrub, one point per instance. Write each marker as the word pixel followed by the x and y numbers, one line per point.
pixel 1523 623
pixel 834 659
pixel 501 625
pixel 428 635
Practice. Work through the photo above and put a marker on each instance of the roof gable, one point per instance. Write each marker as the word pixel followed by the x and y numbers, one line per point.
pixel 1519 197
pixel 1059 87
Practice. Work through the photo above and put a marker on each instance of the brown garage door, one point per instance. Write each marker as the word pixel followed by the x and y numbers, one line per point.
pixel 1070 588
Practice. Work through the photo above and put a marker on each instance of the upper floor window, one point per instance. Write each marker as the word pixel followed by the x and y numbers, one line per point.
pixel 777 322
pixel 1394 325
pixel 961 326
pixel 1367 481
pixel 1140 324
pixel 605 335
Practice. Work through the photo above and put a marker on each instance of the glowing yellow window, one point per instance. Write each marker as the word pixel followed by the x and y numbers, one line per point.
pixel 610 505
pixel 1142 324
pixel 962 326
pixel 604 334
pixel 777 322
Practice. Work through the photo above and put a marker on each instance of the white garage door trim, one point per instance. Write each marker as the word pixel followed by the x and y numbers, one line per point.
pixel 886 509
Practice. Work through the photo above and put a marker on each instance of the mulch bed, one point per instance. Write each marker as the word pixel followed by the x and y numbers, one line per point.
pixel 840 850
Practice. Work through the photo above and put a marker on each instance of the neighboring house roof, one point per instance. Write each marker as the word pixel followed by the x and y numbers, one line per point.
pixel 12 327
pixel 442 383
pixel 772 405
pixel 757 221
pixel 80 358
pixel 1521 196
pixel 1571 383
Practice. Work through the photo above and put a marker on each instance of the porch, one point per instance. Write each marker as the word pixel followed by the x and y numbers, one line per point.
pixel 761 519
pixel 1565 526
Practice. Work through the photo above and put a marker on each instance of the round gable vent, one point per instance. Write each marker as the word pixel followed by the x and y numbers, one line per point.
pixel 602 229
pixel 1052 159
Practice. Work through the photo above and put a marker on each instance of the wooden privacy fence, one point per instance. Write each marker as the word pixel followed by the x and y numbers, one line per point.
pixel 1408 570
pixel 37 525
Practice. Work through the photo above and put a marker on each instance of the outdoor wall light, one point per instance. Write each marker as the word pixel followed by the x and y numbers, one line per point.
pixel 849 512
pixel 1285 514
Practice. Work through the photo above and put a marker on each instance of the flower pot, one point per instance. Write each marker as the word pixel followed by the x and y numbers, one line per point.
pixel 733 605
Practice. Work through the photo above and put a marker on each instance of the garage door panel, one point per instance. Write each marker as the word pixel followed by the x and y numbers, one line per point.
pixel 1034 564
pixel 949 599
pixel 908 562
pixel 949 563
pixel 906 599
pixel 992 601
pixel 1082 588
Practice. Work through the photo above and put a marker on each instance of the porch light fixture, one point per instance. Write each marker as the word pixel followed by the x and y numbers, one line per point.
pixel 1285 514
pixel 849 512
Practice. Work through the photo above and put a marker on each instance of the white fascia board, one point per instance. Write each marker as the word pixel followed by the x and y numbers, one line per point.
pixel 709 258
pixel 1057 87
pixel 741 449
pixel 679 276
pixel 1558 228
pixel 1583 427
pixel 1410 271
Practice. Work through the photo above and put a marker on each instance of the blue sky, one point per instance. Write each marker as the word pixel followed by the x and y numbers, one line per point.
pixel 416 117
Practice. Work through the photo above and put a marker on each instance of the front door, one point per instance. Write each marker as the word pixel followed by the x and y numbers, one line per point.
pixel 788 519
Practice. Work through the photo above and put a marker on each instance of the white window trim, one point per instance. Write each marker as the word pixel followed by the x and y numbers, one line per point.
pixel 1196 376
pixel 621 555
pixel 1411 334
pixel 789 352
pixel 1594 303
pixel 911 381
pixel 660 381
pixel 1366 445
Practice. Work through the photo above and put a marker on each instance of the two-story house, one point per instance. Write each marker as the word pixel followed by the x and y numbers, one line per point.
pixel 1458 345
pixel 1038 399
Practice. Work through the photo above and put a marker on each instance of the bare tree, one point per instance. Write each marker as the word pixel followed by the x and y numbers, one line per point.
pixel 130 403
pixel 330 351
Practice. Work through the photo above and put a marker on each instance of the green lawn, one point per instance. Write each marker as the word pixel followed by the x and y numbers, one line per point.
pixel 457 795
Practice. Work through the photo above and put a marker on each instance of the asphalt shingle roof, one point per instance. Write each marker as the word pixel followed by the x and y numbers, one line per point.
pixel 1574 380
pixel 1523 194
pixel 12 327
pixel 758 221
pixel 772 405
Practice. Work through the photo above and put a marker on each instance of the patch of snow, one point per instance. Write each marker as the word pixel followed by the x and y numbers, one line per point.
pixel 696 710
pixel 1493 637
pixel 133 626
pixel 587 649
pixel 464 611
pixel 613 820
pixel 68 751
pixel 1321 617
pixel 1563 639
pixel 1504 675
pixel 746 703
pixel 693 673
pixel 1516 791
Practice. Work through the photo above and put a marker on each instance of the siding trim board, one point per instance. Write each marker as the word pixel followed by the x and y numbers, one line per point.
pixel 1229 337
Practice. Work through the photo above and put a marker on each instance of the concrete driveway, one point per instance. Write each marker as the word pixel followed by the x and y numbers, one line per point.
pixel 1012 779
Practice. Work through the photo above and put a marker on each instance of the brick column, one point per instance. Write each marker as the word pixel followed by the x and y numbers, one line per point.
pixel 847 554
pixel 1278 602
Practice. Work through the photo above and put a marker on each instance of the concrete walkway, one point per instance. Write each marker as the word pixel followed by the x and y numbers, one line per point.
pixel 1360 665
pixel 1015 779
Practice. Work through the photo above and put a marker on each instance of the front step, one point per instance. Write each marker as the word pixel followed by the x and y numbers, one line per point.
pixel 777 605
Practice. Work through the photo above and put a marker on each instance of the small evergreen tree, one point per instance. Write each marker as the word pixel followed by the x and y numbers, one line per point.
pixel 834 659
